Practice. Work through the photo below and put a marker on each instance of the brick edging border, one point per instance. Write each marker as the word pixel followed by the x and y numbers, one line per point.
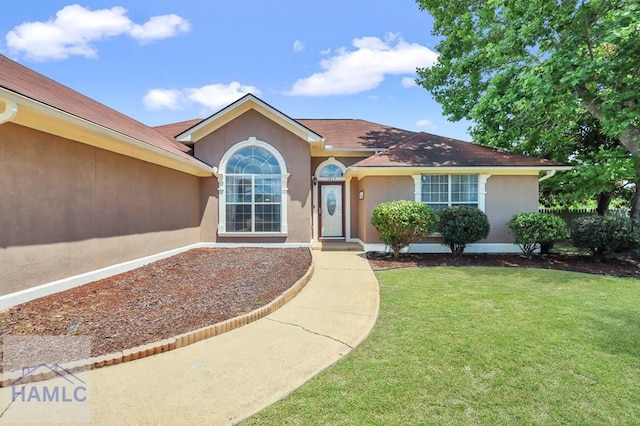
pixel 165 345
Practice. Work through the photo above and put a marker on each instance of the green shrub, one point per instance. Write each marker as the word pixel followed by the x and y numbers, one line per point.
pixel 604 235
pixel 403 222
pixel 462 225
pixel 532 230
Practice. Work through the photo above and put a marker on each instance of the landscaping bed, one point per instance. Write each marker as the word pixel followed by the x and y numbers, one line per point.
pixel 162 299
pixel 621 266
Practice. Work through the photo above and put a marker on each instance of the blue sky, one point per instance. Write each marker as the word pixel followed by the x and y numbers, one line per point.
pixel 167 61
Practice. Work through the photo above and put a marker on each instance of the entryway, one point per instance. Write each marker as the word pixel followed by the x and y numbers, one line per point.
pixel 331 209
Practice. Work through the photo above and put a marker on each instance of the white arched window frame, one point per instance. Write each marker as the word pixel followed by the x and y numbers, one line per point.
pixel 225 179
pixel 330 164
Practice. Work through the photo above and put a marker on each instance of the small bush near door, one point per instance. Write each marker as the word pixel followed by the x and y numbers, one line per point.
pixel 403 222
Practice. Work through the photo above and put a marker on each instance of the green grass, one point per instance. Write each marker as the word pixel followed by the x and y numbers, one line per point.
pixel 485 346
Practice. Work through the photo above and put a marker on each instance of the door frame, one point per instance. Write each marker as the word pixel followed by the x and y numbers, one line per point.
pixel 316 179
pixel 341 184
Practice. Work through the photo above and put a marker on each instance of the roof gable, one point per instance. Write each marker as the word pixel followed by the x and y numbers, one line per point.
pixel 425 150
pixel 239 107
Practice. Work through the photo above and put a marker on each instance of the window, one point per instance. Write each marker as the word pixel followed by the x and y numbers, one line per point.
pixel 440 191
pixel 253 180
pixel 331 171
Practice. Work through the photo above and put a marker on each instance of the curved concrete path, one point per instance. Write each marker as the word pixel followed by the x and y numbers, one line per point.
pixel 227 378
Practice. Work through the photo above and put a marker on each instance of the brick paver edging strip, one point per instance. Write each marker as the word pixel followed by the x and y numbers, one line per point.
pixel 169 344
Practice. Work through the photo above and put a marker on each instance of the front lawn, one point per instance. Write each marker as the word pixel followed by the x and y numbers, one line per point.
pixel 485 346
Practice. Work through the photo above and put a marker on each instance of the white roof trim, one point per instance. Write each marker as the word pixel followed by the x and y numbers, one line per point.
pixel 409 170
pixel 186 136
pixel 89 125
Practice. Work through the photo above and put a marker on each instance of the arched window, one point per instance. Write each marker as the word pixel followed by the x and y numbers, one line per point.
pixel 254 176
pixel 331 171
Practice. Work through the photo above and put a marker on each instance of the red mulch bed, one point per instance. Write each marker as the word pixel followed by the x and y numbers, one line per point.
pixel 620 267
pixel 162 299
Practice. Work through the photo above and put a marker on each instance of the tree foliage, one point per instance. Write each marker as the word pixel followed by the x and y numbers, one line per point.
pixel 403 222
pixel 532 229
pixel 533 74
pixel 603 235
pixel 462 225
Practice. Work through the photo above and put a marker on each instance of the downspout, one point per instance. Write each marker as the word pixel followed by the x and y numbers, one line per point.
pixel 549 174
pixel 9 112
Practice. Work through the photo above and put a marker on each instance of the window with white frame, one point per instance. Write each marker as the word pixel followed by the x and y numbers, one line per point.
pixel 253 191
pixel 331 171
pixel 440 191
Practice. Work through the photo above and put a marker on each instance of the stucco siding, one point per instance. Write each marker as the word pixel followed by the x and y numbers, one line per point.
pixel 209 209
pixel 355 212
pixel 296 153
pixel 506 196
pixel 69 208
pixel 378 190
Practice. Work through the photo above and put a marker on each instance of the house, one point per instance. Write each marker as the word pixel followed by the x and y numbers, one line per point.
pixel 84 187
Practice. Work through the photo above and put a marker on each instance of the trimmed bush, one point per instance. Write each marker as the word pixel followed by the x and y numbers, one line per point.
pixel 403 222
pixel 604 235
pixel 532 230
pixel 462 225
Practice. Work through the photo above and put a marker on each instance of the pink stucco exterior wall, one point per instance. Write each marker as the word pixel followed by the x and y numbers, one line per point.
pixel 506 196
pixel 69 208
pixel 378 189
pixel 296 153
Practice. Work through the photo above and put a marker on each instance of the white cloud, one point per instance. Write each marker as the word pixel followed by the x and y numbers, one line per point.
pixel 156 99
pixel 212 96
pixel 216 96
pixel 325 51
pixel 426 124
pixel 75 28
pixel 409 82
pixel 160 27
pixel 299 46
pixel 354 71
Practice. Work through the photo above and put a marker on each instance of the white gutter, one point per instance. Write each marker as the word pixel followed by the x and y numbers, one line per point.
pixel 549 174
pixel 10 111
pixel 407 170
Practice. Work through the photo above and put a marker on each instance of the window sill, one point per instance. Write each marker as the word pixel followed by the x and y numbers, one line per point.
pixel 252 234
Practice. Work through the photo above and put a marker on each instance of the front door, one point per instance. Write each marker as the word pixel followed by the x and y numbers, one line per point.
pixel 331 209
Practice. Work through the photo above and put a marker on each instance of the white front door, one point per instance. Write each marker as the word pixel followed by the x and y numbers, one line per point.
pixel 331 211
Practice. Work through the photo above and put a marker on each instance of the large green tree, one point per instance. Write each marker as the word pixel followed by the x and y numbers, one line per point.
pixel 532 74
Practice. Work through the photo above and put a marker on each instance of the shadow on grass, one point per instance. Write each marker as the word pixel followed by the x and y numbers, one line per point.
pixel 620 332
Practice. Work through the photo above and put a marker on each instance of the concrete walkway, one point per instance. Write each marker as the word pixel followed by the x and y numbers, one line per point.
pixel 227 378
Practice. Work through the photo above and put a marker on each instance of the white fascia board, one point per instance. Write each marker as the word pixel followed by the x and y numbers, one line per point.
pixel 86 124
pixel 502 170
